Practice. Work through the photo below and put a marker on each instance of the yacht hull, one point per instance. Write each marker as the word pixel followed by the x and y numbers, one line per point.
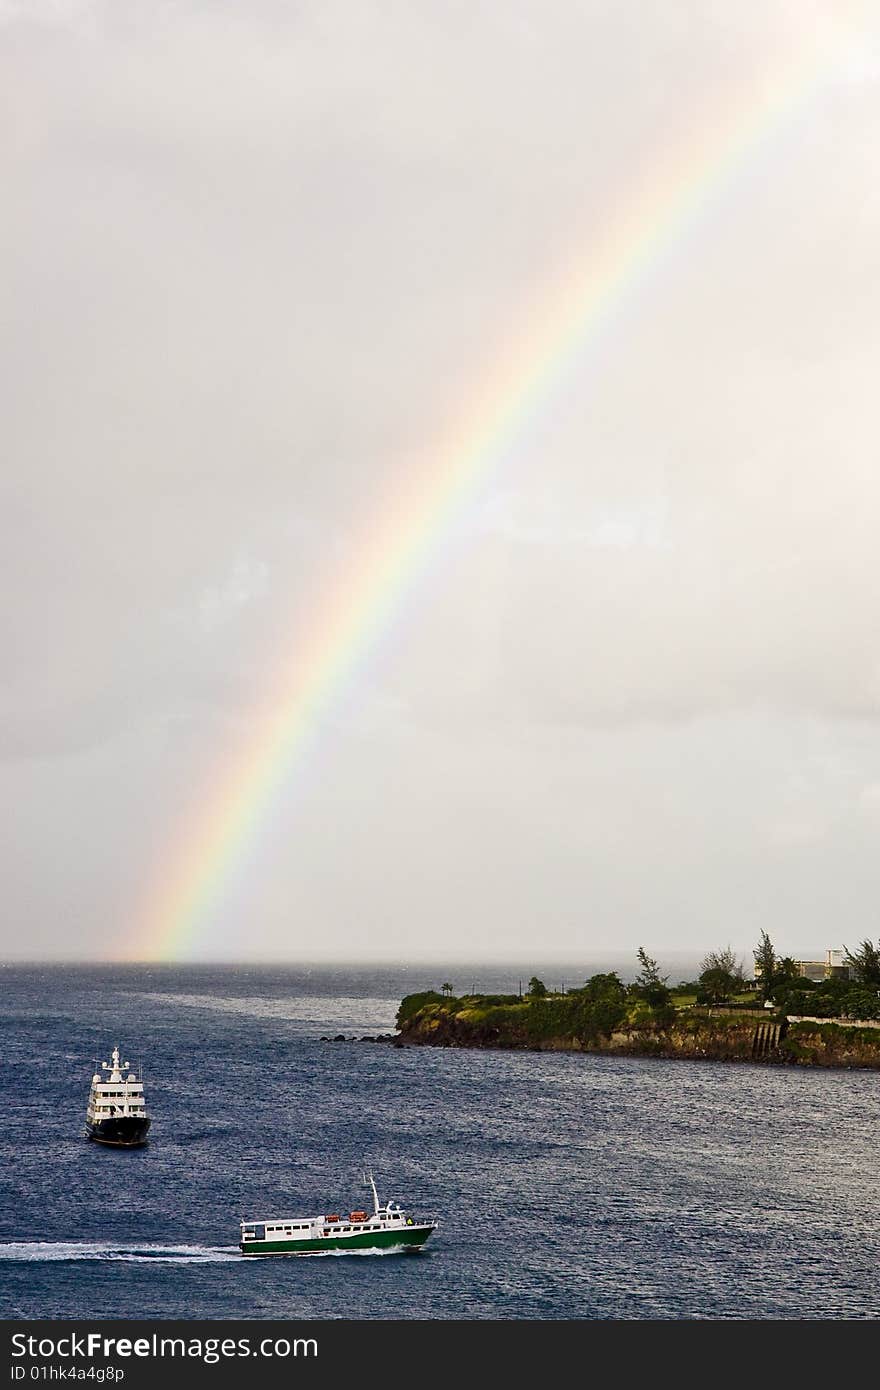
pixel 120 1132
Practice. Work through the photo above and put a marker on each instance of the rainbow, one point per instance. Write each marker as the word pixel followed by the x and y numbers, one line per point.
pixel 569 315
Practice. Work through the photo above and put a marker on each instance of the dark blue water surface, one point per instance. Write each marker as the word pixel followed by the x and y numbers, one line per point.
pixel 567 1186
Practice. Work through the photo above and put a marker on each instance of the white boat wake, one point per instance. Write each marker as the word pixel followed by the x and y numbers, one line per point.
pixel 45 1250
pixel 371 1251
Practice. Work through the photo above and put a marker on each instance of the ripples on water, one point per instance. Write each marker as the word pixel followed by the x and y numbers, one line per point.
pixel 567 1186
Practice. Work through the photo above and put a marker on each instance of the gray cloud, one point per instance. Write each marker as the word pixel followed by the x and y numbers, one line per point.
pixel 256 262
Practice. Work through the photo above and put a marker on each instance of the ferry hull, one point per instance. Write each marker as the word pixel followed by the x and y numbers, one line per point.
pixel 120 1132
pixel 409 1238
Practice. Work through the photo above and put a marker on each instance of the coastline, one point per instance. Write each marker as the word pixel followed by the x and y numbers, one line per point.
pixel 478 1022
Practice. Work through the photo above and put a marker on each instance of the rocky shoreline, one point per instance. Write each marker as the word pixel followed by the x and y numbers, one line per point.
pixel 365 1037
pixel 692 1035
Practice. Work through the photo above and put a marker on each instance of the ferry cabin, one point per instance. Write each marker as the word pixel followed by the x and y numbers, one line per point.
pixel 320 1227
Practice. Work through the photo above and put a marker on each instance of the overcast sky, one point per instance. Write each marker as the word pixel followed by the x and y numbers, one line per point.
pixel 256 259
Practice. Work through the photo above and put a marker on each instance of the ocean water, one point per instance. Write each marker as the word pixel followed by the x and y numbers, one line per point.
pixel 566 1186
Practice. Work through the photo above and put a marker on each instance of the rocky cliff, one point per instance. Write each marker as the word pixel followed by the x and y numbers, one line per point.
pixel 558 1026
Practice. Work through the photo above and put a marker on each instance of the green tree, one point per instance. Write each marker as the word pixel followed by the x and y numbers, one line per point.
pixel 765 966
pixel 600 1006
pixel 649 984
pixel 787 970
pixel 603 989
pixel 716 985
pixel 796 996
pixel 724 960
pixel 864 964
pixel 537 988
pixel 446 988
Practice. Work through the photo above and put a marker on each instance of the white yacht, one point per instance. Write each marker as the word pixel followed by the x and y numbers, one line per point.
pixel 116 1112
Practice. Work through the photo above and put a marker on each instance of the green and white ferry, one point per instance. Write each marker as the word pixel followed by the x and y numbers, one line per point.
pixel 388 1228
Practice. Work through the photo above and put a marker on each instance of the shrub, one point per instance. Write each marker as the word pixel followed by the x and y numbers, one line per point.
pixel 412 1003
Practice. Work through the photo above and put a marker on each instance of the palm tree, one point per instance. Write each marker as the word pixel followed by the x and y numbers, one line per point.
pixel 446 987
